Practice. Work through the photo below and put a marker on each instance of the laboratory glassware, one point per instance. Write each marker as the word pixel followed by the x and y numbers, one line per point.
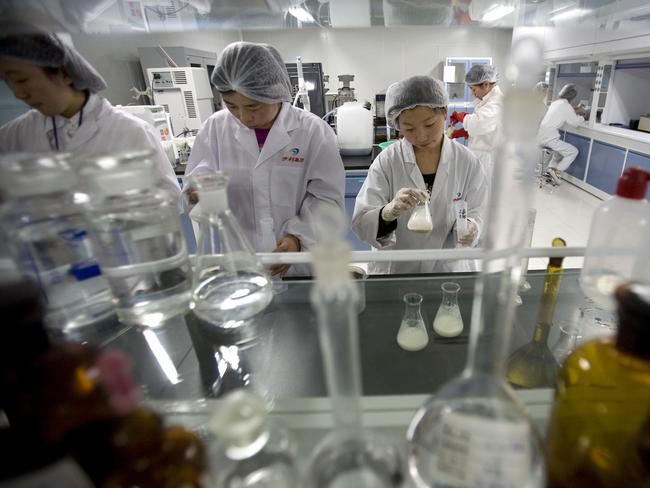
pixel 229 281
pixel 137 233
pixel 533 365
pixel 49 239
pixel 460 207
pixel 348 456
pixel 268 244
pixel 617 248
pixel 412 334
pixel 598 429
pixel 250 450
pixel 566 343
pixel 448 321
pixel 474 431
pixel 420 220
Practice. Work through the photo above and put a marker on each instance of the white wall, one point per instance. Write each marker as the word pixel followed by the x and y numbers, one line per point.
pixel 379 56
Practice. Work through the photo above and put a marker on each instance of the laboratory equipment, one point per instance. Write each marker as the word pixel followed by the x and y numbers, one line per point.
pixel 268 244
pixel 448 321
pixel 49 239
pixel 138 237
pixel 617 248
pixel 566 343
pixel 420 219
pixel 600 413
pixel 354 131
pixel 345 92
pixel 412 334
pixel 229 281
pixel 154 115
pixel 301 93
pixel 473 431
pixel 314 83
pixel 186 95
pixel 532 365
pixel 359 275
pixel 349 456
pixel 250 451
pixel 460 207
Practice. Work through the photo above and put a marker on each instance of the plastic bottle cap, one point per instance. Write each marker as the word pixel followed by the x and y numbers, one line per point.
pixel 633 184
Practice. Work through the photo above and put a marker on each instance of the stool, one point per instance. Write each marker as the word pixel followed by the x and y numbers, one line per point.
pixel 545 157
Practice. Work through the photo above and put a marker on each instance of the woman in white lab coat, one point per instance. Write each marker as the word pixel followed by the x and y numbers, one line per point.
pixel 66 113
pixel 282 161
pixel 425 160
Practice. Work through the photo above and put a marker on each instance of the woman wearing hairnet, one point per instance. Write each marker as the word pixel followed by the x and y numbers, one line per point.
pixel 282 161
pixel 424 161
pixel 560 112
pixel 483 126
pixel 67 114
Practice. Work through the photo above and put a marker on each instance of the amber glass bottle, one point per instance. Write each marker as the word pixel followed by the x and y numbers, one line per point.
pixel 598 435
pixel 533 364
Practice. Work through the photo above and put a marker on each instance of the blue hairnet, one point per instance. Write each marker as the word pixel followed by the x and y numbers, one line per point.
pixel 47 50
pixel 481 73
pixel 254 70
pixel 568 91
pixel 416 91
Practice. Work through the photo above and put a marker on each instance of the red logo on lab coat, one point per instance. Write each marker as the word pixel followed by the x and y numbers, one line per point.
pixel 293 159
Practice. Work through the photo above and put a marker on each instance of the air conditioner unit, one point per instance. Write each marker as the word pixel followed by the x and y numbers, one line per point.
pixel 185 94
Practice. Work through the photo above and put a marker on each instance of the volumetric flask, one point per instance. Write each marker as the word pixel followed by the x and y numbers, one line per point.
pixel 49 241
pixel 229 280
pixel 448 321
pixel 137 232
pixel 420 220
pixel 412 335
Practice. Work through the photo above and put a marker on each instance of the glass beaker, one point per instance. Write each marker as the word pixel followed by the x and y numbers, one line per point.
pixel 137 233
pixel 229 280
pixel 420 220
pixel 448 321
pixel 412 335
pixel 268 242
pixel 570 334
pixel 48 239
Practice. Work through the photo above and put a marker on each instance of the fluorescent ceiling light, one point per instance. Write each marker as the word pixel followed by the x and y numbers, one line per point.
pixel 301 14
pixel 570 14
pixel 496 12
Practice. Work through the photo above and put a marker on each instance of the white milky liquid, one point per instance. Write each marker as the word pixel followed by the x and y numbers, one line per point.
pixel 412 337
pixel 419 223
pixel 448 324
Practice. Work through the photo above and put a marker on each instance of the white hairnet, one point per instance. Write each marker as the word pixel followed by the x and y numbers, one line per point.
pixel 416 91
pixel 541 87
pixel 481 73
pixel 568 91
pixel 254 70
pixel 47 50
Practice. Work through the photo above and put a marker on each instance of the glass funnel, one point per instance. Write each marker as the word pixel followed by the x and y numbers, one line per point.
pixel 412 335
pixel 448 321
pixel 229 281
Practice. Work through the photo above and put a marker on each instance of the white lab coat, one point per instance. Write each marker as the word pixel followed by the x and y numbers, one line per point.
pixel 560 112
pixel 298 168
pixel 484 128
pixel 104 129
pixel 459 175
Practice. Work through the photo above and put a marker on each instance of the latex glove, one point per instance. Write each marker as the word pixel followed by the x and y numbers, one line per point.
pixel 470 235
pixel 288 243
pixel 192 195
pixel 405 199
pixel 457 117
pixel 459 133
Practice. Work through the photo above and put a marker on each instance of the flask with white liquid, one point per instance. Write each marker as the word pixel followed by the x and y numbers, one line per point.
pixel 420 220
pixel 412 335
pixel 448 321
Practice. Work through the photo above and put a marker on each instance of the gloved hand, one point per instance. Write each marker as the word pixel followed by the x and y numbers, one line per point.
pixel 470 235
pixel 457 117
pixel 459 133
pixel 288 243
pixel 405 199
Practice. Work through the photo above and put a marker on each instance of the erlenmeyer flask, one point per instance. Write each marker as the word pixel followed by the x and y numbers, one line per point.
pixel 412 335
pixel 420 220
pixel 448 321
pixel 229 281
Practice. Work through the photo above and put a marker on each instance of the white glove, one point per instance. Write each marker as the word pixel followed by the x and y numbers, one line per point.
pixel 405 199
pixel 470 235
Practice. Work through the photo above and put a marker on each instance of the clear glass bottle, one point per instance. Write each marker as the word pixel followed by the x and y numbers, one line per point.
pixel 229 281
pixel 48 238
pixel 268 244
pixel 566 343
pixel 420 219
pixel 349 456
pixel 448 321
pixel 250 451
pixel 473 431
pixel 412 334
pixel 137 233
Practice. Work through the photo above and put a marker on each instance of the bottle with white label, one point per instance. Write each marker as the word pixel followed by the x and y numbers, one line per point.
pixel 412 335
pixel 448 321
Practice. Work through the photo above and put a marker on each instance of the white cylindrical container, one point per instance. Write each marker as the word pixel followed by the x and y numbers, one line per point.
pixel 354 129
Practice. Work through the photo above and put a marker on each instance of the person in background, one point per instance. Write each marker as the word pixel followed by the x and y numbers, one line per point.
pixel 483 126
pixel 424 162
pixel 560 112
pixel 66 113
pixel 541 88
pixel 282 161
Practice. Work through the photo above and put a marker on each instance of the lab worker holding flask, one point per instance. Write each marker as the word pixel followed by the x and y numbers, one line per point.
pixel 282 161
pixel 424 169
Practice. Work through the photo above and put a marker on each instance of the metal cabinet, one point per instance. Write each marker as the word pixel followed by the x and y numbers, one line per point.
pixel 639 159
pixel 579 166
pixel 605 166
pixel 353 183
